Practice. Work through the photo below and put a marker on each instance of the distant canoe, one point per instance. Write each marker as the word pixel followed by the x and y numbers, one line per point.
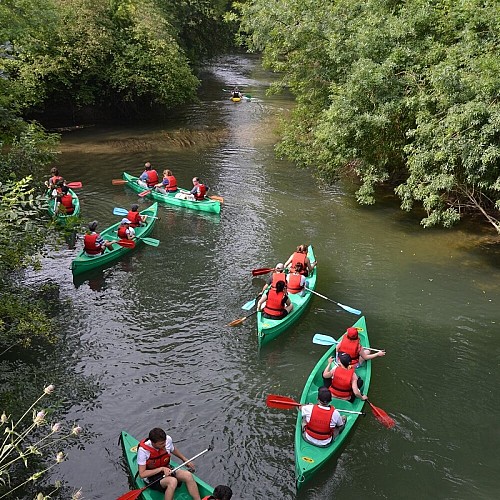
pixel 269 329
pixel 309 458
pixel 236 99
pixel 61 216
pixel 84 262
pixel 205 205
pixel 129 445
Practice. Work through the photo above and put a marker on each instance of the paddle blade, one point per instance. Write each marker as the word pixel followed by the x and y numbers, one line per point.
pixel 131 495
pixel 382 416
pixel 151 241
pixel 74 185
pixel 261 271
pixel 119 182
pixel 120 211
pixel 349 309
pixel 321 339
pixel 144 193
pixel 237 322
pixel 126 243
pixel 249 305
pixel 217 198
pixel 281 402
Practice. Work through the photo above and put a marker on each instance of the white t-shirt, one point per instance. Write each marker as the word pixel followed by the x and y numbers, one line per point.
pixel 143 455
pixel 336 421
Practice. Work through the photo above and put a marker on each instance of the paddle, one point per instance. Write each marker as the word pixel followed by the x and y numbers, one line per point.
pixel 321 339
pixel 124 212
pixel 346 308
pixel 216 198
pixel 126 243
pixel 251 303
pixel 285 403
pixel 119 182
pixel 132 495
pixel 382 416
pixel 131 243
pixel 74 185
pixel 262 270
pixel 151 241
pixel 238 321
pixel 144 193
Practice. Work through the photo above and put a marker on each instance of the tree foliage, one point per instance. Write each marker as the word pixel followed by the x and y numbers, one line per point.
pixel 404 93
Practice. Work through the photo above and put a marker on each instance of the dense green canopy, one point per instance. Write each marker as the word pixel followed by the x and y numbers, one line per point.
pixel 400 92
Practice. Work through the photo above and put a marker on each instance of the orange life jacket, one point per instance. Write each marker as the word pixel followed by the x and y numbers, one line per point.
pixel 122 233
pixel 67 202
pixel 300 258
pixel 294 283
pixel 152 177
pixel 157 458
pixel 55 179
pixel 89 244
pixel 275 303
pixel 277 277
pixel 200 192
pixel 342 383
pixel 134 218
pixel 351 347
pixel 318 426
pixel 172 184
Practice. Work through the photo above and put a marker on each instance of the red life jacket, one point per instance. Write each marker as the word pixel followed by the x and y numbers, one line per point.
pixel 277 277
pixel 67 202
pixel 275 303
pixel 342 383
pixel 89 244
pixel 200 192
pixel 318 426
pixel 134 218
pixel 294 283
pixel 55 179
pixel 300 257
pixel 172 184
pixel 122 233
pixel 351 347
pixel 157 458
pixel 152 177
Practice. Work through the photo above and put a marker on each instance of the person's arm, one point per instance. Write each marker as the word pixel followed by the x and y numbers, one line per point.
pixel 179 455
pixel 366 354
pixel 336 420
pixel 143 471
pixel 329 369
pixel 194 190
pixel 144 176
pixel 262 299
pixel 356 390
pixel 289 261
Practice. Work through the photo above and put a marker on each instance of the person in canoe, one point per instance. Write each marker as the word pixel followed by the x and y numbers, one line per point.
pixel 153 459
pixel 65 202
pixel 321 423
pixel 275 303
pixel 296 281
pixel 149 178
pixel 342 380
pixel 125 231
pixel 221 492
pixel 54 179
pixel 351 345
pixel 135 218
pixel 198 192
pixel 168 184
pixel 236 94
pixel 93 243
pixel 300 255
pixel 278 275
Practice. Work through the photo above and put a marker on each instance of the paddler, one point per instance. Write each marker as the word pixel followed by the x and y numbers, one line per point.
pixel 342 380
pixel 300 255
pixel 351 345
pixel 275 303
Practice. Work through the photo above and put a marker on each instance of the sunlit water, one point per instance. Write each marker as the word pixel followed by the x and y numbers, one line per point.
pixel 151 328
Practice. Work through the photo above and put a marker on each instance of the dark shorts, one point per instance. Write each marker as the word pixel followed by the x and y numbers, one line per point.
pixel 157 486
pixel 281 316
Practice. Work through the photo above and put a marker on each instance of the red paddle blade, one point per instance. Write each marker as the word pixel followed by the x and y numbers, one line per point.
pixel 262 270
pixel 382 416
pixel 281 402
pixel 217 198
pixel 131 495
pixel 126 243
pixel 119 182
pixel 144 193
pixel 74 185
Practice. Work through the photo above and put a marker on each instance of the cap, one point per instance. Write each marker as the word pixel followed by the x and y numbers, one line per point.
pixel 324 395
pixel 134 207
pixel 93 225
pixel 345 359
pixel 352 333
pixel 280 266
pixel 125 221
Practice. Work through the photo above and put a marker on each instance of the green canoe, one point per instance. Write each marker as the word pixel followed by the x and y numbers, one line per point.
pixel 84 262
pixel 60 216
pixel 129 445
pixel 310 458
pixel 205 205
pixel 269 329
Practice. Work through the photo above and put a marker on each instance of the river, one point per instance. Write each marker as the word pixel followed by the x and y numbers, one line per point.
pixel 151 330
